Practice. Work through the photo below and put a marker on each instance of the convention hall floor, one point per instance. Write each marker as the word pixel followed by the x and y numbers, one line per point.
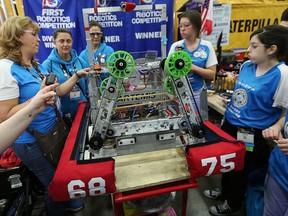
pixel 197 204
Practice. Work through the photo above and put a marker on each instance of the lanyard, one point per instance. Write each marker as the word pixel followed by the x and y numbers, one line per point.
pixel 40 76
pixel 66 72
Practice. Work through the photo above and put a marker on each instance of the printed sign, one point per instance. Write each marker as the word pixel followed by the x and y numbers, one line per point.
pixel 129 31
pixel 221 23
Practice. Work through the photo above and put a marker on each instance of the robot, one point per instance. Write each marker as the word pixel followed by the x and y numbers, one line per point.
pixel 144 105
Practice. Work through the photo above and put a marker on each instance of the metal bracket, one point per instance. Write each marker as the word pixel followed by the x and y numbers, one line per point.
pixel 15 181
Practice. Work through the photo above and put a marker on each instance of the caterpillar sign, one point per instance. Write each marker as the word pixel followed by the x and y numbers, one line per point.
pixel 248 16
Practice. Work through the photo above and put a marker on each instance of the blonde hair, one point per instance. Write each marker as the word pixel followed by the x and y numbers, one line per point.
pixel 10 43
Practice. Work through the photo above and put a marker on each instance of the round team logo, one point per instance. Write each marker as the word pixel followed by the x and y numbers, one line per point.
pixel 239 98
pixel 197 54
pixel 200 54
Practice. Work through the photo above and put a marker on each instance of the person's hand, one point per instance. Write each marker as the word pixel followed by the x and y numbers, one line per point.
pixel 283 145
pixel 44 98
pixel 83 73
pixel 43 84
pixel 272 133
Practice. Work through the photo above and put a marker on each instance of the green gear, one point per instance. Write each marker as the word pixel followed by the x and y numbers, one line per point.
pixel 104 84
pixel 120 64
pixel 178 64
pixel 168 85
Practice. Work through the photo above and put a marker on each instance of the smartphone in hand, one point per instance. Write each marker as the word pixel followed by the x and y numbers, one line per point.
pixel 50 79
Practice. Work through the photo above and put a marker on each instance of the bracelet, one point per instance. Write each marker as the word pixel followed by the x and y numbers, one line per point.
pixel 77 75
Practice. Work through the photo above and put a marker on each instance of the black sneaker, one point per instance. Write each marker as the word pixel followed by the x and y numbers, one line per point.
pixel 222 209
pixel 213 194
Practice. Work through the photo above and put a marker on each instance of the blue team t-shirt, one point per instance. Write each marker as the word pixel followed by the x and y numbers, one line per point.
pixel 18 82
pixel 278 163
pixel 253 100
pixel 203 56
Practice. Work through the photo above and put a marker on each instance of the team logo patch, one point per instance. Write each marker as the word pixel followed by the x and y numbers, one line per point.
pixel 239 98
pixel 200 53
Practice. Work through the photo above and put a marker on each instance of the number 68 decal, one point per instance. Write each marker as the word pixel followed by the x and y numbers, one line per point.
pixel 227 165
pixel 96 187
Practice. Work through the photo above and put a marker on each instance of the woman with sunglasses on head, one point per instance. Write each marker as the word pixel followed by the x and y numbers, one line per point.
pixel 21 77
pixel 65 63
pixel 201 52
pixel 101 51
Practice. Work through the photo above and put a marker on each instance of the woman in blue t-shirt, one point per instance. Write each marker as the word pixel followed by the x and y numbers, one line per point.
pixel 13 127
pixel 21 78
pixel 201 52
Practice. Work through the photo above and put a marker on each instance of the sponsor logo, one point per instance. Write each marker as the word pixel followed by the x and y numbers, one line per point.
pixel 51 3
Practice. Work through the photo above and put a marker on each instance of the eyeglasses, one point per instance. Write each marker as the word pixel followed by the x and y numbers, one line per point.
pixel 184 25
pixel 34 33
pixel 62 41
pixel 96 34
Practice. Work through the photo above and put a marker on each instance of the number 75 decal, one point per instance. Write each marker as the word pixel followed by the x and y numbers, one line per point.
pixel 227 165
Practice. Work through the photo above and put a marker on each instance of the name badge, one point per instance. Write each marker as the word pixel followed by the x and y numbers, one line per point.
pixel 247 136
pixel 74 95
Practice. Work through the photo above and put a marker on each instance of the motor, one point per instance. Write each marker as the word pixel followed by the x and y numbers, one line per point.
pixel 127 6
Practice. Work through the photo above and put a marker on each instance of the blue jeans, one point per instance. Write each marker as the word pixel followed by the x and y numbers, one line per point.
pixel 34 159
pixel 275 198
